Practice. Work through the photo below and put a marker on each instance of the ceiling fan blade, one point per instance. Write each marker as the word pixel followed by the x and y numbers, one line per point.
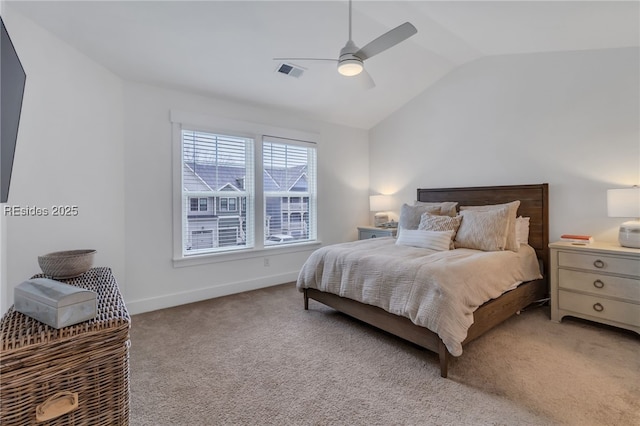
pixel 364 80
pixel 387 40
pixel 306 59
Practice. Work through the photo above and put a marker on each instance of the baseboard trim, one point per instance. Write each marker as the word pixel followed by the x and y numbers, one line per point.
pixel 182 298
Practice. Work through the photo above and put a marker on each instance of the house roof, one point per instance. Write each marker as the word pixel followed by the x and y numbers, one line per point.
pixel 208 177
pixel 192 181
pixel 286 179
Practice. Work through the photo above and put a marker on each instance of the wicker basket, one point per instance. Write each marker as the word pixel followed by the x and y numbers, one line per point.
pixel 66 264
pixel 90 359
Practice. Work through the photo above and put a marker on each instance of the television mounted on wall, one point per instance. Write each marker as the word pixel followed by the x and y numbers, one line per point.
pixel 12 80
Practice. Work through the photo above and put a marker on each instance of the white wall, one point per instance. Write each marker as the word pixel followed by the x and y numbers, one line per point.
pixel 152 280
pixel 69 152
pixel 89 139
pixel 570 119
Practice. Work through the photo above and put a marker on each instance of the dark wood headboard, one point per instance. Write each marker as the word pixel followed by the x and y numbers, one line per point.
pixel 534 203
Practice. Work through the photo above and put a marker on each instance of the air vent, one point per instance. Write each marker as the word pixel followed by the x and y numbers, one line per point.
pixel 290 70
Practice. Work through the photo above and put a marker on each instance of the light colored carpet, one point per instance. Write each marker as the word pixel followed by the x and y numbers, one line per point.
pixel 259 358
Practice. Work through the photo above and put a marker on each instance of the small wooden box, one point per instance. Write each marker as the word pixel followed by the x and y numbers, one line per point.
pixel 89 360
pixel 54 303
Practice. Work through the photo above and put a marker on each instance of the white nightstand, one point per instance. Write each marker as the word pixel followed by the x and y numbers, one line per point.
pixel 598 282
pixel 366 232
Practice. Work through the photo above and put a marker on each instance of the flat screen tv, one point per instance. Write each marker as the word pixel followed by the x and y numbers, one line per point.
pixel 12 79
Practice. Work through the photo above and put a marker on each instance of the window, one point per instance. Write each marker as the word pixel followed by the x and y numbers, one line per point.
pixel 213 166
pixel 289 190
pixel 198 204
pixel 215 176
pixel 228 204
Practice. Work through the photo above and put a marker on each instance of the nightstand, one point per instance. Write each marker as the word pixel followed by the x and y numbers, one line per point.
pixel 598 282
pixel 366 232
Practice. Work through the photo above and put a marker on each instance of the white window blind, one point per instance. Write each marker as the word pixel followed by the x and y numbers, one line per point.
pixel 289 184
pixel 217 173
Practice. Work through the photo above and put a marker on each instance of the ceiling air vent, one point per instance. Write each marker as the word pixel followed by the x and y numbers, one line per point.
pixel 290 70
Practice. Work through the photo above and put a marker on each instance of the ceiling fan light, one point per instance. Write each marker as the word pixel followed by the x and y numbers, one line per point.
pixel 350 67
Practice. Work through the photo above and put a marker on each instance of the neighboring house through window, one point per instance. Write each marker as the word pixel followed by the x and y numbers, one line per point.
pixel 214 166
pixel 289 190
pixel 218 175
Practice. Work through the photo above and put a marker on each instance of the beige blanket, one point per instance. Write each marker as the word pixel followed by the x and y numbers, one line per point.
pixel 436 290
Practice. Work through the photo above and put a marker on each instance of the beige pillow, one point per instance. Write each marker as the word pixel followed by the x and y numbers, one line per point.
pixel 510 229
pixel 410 215
pixel 430 222
pixel 483 230
pixel 447 208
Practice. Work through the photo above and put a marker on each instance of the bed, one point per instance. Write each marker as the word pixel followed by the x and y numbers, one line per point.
pixel 496 309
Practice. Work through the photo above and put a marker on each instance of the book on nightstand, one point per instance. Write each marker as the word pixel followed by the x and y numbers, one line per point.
pixel 572 238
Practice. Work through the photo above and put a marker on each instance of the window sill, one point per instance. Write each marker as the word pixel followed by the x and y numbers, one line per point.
pixel 209 258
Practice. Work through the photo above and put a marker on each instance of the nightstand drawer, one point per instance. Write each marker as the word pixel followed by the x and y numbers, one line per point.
pixel 600 284
pixel 366 234
pixel 600 307
pixel 615 265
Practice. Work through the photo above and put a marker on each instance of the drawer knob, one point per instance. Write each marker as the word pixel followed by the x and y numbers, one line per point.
pixel 598 264
pixel 598 284
pixel 598 307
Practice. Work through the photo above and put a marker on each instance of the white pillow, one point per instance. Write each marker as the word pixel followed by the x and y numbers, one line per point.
pixel 434 240
pixel 483 229
pixel 522 230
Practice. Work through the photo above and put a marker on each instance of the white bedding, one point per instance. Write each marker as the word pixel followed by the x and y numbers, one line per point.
pixel 438 290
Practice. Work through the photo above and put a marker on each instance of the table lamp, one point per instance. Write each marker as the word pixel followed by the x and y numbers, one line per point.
pixel 380 204
pixel 626 203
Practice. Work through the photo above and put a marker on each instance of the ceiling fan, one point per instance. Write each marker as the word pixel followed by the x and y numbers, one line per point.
pixel 351 59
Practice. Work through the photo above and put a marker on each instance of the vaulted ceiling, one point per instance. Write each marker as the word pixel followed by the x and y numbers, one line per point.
pixel 226 48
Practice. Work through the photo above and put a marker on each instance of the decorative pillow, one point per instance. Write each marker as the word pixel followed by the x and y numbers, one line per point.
pixel 483 230
pixel 447 208
pixel 522 230
pixel 410 215
pixel 430 222
pixel 434 240
pixel 512 243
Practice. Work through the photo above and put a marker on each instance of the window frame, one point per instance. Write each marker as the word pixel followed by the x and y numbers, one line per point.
pixel 256 131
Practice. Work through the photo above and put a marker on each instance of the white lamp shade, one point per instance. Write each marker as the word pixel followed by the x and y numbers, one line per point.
pixel 380 203
pixel 623 202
